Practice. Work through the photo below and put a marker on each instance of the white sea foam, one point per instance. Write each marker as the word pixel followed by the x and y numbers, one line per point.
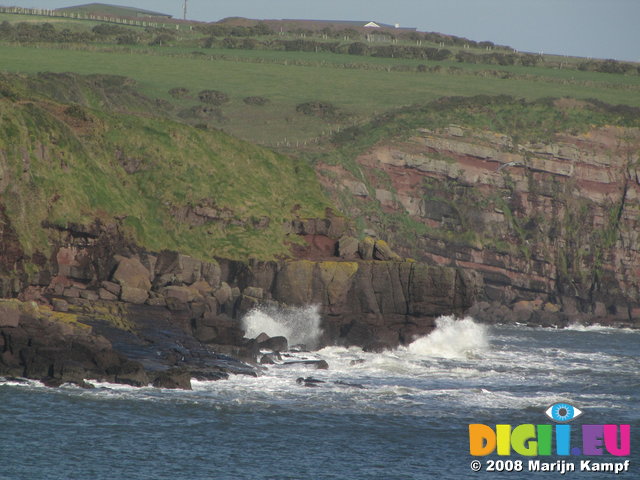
pixel 452 338
pixel 577 327
pixel 299 325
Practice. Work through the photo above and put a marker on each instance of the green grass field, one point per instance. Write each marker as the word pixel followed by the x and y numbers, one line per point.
pixel 357 92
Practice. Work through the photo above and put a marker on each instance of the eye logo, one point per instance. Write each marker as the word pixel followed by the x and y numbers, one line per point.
pixel 562 412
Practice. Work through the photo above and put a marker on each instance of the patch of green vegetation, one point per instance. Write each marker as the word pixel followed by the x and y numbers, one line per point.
pixel 152 173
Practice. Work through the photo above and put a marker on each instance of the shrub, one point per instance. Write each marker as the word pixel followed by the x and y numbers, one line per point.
pixel 128 39
pixel 318 109
pixel 106 29
pixel 213 97
pixel 358 48
pixel 256 100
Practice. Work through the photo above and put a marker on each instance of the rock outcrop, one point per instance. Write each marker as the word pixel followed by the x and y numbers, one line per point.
pixel 160 317
pixel 551 223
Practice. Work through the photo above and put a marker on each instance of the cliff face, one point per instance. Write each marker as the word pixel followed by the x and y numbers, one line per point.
pixel 550 226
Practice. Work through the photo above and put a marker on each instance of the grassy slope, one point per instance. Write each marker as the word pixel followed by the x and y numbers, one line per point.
pixel 67 166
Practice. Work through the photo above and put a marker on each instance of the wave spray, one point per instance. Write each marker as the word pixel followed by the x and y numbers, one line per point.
pixel 299 325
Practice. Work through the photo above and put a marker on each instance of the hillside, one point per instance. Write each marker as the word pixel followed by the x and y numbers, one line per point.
pixel 70 155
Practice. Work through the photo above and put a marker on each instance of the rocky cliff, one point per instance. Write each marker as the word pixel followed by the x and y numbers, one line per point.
pixel 552 226
pixel 149 313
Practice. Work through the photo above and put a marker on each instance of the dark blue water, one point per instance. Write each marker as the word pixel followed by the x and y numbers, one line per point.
pixel 409 422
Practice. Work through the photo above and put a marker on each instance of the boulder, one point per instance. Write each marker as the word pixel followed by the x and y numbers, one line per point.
pixel 382 251
pixel 132 274
pixel 174 378
pixel 132 373
pixel 111 287
pixel 366 247
pixel 317 364
pixel 72 292
pixel 202 287
pixel 181 294
pixel 275 344
pixel 105 294
pixel 89 295
pixel 268 359
pixel 223 294
pixel 134 295
pixel 173 267
pixel 347 247
pixel 212 274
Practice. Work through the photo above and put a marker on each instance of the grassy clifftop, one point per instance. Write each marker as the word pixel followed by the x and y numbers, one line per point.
pixel 169 184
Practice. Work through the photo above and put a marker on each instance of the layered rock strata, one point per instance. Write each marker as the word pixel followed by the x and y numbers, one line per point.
pixel 553 228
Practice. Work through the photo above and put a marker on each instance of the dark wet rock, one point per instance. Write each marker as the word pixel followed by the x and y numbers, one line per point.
pixel 318 364
pixel 263 337
pixel 175 378
pixel 267 360
pixel 210 374
pixel 309 381
pixel 131 373
pixel 352 385
pixel 58 382
pixel 299 348
pixel 375 347
pixel 276 344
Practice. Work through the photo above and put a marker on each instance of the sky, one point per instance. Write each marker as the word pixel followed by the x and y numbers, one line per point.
pixel 585 28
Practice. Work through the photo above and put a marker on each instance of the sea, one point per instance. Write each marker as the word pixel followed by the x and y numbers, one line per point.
pixel 397 415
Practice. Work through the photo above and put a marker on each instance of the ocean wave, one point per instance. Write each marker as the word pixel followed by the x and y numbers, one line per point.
pixel 452 338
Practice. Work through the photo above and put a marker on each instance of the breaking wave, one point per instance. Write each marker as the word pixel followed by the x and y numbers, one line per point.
pixel 299 325
pixel 452 338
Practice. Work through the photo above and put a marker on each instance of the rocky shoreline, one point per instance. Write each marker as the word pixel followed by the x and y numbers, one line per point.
pixel 141 318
